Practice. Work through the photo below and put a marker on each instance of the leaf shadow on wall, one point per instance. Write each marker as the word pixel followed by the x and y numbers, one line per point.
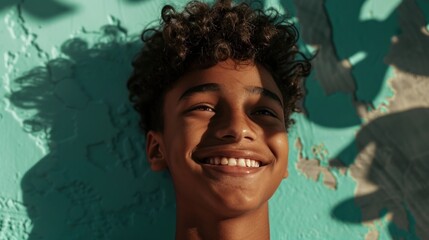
pixel 410 49
pixel 41 9
pixel 399 163
pixel 94 183
pixel 336 91
pixel 392 174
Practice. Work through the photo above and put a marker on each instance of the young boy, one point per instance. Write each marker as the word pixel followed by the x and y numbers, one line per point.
pixel 215 87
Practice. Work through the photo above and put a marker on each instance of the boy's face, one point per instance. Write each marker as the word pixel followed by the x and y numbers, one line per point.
pixel 229 114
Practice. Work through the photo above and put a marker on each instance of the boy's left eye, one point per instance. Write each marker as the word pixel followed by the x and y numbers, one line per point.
pixel 265 112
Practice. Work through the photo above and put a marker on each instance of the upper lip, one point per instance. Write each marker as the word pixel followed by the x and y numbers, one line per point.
pixel 206 153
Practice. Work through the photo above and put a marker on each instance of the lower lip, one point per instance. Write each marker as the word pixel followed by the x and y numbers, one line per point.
pixel 232 170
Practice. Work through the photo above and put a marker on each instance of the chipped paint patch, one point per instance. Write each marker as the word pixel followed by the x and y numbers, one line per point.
pixel 312 168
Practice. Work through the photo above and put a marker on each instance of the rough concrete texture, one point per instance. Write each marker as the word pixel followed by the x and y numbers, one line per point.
pixel 72 163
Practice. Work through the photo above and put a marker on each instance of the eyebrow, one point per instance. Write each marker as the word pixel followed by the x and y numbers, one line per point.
pixel 209 87
pixel 265 92
pixel 214 87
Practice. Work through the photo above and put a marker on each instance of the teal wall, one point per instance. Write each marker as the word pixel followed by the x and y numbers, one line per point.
pixel 72 164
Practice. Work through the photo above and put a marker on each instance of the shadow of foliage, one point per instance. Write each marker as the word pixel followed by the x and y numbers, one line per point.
pixel 94 183
pixel 41 9
pixel 393 159
pixel 335 90
pixel 393 152
pixel 410 48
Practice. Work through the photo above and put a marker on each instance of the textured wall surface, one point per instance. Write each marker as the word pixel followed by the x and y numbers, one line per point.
pixel 72 164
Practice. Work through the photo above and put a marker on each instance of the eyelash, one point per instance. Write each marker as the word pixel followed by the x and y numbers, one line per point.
pixel 259 112
pixel 202 108
pixel 265 112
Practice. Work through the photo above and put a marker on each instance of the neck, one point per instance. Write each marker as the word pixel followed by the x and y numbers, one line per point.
pixel 192 224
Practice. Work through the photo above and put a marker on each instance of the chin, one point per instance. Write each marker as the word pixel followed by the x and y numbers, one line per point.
pixel 234 205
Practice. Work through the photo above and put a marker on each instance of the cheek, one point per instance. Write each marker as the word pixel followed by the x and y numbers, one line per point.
pixel 181 139
pixel 279 146
pixel 280 149
pixel 191 130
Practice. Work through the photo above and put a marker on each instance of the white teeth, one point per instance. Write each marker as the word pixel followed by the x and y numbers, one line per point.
pixel 240 162
pixel 248 163
pixel 232 162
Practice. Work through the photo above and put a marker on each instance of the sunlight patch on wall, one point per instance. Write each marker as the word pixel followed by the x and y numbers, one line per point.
pixel 377 9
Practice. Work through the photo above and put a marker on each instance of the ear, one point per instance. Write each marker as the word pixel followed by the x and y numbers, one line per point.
pixel 155 151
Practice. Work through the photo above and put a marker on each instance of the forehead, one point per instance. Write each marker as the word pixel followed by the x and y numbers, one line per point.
pixel 229 76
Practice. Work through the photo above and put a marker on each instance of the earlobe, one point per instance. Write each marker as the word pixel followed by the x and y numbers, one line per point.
pixel 155 151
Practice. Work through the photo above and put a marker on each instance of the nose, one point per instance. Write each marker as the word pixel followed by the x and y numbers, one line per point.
pixel 235 126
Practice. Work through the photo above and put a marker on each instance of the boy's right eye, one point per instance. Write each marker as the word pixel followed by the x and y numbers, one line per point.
pixel 202 108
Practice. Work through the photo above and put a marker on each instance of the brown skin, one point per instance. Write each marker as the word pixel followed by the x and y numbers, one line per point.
pixel 230 118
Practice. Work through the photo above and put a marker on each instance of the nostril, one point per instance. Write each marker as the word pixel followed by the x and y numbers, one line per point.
pixel 249 137
pixel 237 136
pixel 228 136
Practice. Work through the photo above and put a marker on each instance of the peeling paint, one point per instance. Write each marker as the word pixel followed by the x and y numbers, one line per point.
pixel 313 168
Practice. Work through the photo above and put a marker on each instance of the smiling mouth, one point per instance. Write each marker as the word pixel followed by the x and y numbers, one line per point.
pixel 234 162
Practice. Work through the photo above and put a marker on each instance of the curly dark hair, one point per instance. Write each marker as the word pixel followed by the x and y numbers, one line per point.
pixel 200 37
